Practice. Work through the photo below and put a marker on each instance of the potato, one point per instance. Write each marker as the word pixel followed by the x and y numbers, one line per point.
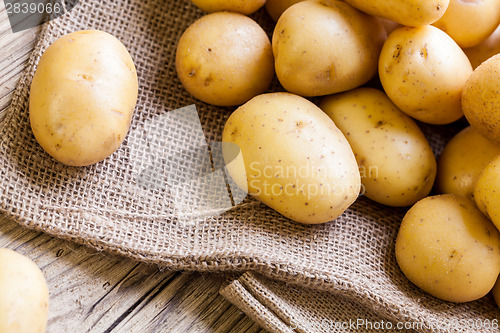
pixel 486 191
pixel 446 247
pixel 245 7
pixel 83 96
pixel 413 13
pixel 396 163
pixel 325 47
pixel 225 59
pixel 276 7
pixel 296 160
pixel 423 71
pixel 24 296
pixel 470 22
pixel 481 100
pixel 496 292
pixel 487 49
pixel 462 161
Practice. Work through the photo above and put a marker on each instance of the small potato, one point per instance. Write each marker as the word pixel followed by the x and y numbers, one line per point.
pixel 412 13
pixel 296 160
pixel 276 7
pixel 322 47
pixel 446 247
pixel 462 161
pixel 487 49
pixel 487 193
pixel 481 99
pixel 82 97
pixel 496 292
pixel 396 163
pixel 24 296
pixel 470 22
pixel 245 7
pixel 423 71
pixel 225 59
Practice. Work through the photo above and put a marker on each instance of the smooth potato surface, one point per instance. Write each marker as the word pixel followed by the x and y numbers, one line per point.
pixel 245 7
pixel 397 165
pixel 448 248
pixel 225 59
pixel 462 161
pixel 276 7
pixel 423 71
pixel 325 47
pixel 487 49
pixel 296 160
pixel 487 193
pixel 24 297
pixel 82 97
pixel 481 99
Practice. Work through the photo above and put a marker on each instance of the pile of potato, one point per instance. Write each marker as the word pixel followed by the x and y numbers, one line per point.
pixel 310 163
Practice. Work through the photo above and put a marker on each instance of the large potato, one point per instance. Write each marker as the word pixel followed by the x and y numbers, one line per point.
pixel 239 6
pixel 296 160
pixel 470 22
pixel 323 47
pixel 225 59
pixel 413 13
pixel 83 96
pixel 24 296
pixel 481 99
pixel 487 191
pixel 487 49
pixel 423 71
pixel 396 163
pixel 448 248
pixel 462 161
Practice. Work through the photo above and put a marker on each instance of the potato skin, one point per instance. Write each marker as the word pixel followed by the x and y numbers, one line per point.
pixel 496 292
pixel 481 100
pixel 24 300
pixel 487 49
pixel 296 160
pixel 423 71
pixel 322 47
pixel 276 7
pixel 486 191
pixel 225 59
pixel 448 248
pixel 397 165
pixel 82 97
pixel 462 161
pixel 470 22
pixel 412 13
pixel 245 7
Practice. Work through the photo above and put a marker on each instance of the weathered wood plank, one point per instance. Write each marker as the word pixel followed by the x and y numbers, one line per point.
pixel 98 292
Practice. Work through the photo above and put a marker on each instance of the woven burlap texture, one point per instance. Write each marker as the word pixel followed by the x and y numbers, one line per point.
pixel 105 207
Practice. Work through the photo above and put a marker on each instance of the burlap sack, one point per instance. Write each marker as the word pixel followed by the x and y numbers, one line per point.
pixel 109 207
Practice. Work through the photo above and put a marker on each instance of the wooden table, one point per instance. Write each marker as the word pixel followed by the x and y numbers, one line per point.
pixel 92 291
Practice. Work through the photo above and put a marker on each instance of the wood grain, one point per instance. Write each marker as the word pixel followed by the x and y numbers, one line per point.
pixel 92 291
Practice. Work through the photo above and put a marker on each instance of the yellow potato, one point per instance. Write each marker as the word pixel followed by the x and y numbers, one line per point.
pixel 296 160
pixel 423 71
pixel 462 161
pixel 396 163
pixel 413 13
pixel 276 7
pixel 325 47
pixel 225 59
pixel 496 292
pixel 83 96
pixel 470 22
pixel 487 193
pixel 481 99
pixel 245 7
pixel 487 49
pixel 446 247
pixel 24 296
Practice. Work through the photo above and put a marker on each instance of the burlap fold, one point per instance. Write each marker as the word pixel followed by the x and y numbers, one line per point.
pixel 111 207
